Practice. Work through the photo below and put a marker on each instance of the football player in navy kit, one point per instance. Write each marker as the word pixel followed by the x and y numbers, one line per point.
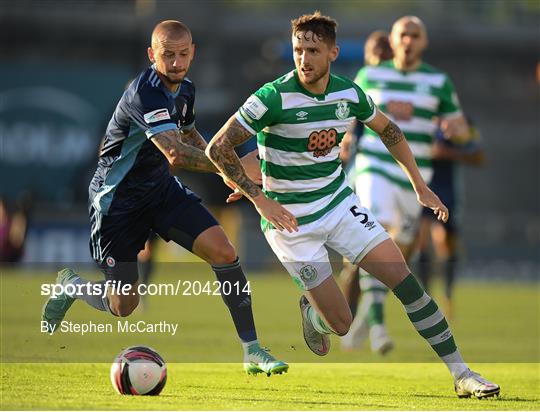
pixel 133 192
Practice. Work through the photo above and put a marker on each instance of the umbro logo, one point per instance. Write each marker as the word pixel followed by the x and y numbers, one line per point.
pixel 446 335
pixel 301 115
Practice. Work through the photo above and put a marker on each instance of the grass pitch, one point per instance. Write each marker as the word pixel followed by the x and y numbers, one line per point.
pixel 306 386
pixel 496 328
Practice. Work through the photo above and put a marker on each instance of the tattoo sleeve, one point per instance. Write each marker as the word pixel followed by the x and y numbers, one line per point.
pixel 391 135
pixel 221 151
pixel 182 155
pixel 193 138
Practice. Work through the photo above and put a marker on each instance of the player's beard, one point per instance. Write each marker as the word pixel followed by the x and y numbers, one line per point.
pixel 179 78
pixel 317 75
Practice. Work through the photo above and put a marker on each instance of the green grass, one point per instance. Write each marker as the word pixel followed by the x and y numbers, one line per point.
pixel 496 327
pixel 306 386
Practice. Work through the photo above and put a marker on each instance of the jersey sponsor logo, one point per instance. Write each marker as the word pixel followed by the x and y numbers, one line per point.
pixel 308 273
pixel 343 110
pixel 400 110
pixel 157 116
pixel 254 108
pixel 322 142
pixel 301 115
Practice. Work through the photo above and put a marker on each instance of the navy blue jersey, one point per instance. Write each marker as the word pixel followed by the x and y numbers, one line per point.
pixel 446 172
pixel 443 169
pixel 131 169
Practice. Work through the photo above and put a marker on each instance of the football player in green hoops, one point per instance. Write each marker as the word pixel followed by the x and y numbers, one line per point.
pixel 306 204
pixel 376 50
pixel 412 93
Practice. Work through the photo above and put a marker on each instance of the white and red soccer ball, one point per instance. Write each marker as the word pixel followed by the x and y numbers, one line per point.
pixel 138 370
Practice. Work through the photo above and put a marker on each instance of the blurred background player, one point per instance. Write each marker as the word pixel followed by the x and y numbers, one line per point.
pixel 447 182
pixel 13 228
pixel 133 193
pixel 376 50
pixel 412 93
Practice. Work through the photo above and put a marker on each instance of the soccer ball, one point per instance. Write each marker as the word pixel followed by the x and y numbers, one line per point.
pixel 138 370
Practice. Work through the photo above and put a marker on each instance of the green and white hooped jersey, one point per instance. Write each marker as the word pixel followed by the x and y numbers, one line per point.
pixel 416 96
pixel 298 136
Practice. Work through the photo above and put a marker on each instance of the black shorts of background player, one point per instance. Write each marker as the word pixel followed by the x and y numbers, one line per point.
pixel 441 241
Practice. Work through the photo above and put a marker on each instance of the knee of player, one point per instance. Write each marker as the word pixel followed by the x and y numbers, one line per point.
pixel 124 307
pixel 224 254
pixel 126 310
pixel 342 325
pixel 341 328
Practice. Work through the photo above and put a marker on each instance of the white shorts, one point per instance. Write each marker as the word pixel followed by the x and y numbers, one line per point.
pixel 392 205
pixel 349 229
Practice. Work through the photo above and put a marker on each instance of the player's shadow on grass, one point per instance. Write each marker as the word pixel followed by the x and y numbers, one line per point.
pixel 503 398
pixel 431 396
pixel 305 402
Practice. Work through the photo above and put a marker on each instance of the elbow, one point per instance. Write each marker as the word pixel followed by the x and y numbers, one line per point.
pixel 211 151
pixel 208 150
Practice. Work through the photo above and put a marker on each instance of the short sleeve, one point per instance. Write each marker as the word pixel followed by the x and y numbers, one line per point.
pixel 366 109
pixel 260 109
pixel 189 117
pixel 449 105
pixel 151 110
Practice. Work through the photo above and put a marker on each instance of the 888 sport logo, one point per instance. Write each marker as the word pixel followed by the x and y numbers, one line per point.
pixel 321 142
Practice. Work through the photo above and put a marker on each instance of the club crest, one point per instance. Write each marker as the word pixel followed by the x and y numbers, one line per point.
pixel 342 110
pixel 308 273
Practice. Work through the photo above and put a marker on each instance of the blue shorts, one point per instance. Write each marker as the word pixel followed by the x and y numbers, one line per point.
pixel 116 240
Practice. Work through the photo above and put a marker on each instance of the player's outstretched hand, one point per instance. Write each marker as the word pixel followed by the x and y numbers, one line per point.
pixel 276 214
pixel 429 199
pixel 252 166
pixel 234 196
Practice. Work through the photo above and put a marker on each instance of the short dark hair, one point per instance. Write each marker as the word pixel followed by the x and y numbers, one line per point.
pixel 323 27
pixel 377 48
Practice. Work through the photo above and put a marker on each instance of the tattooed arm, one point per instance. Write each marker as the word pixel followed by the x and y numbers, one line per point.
pixel 249 162
pixel 180 154
pixel 193 138
pixel 394 140
pixel 221 151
